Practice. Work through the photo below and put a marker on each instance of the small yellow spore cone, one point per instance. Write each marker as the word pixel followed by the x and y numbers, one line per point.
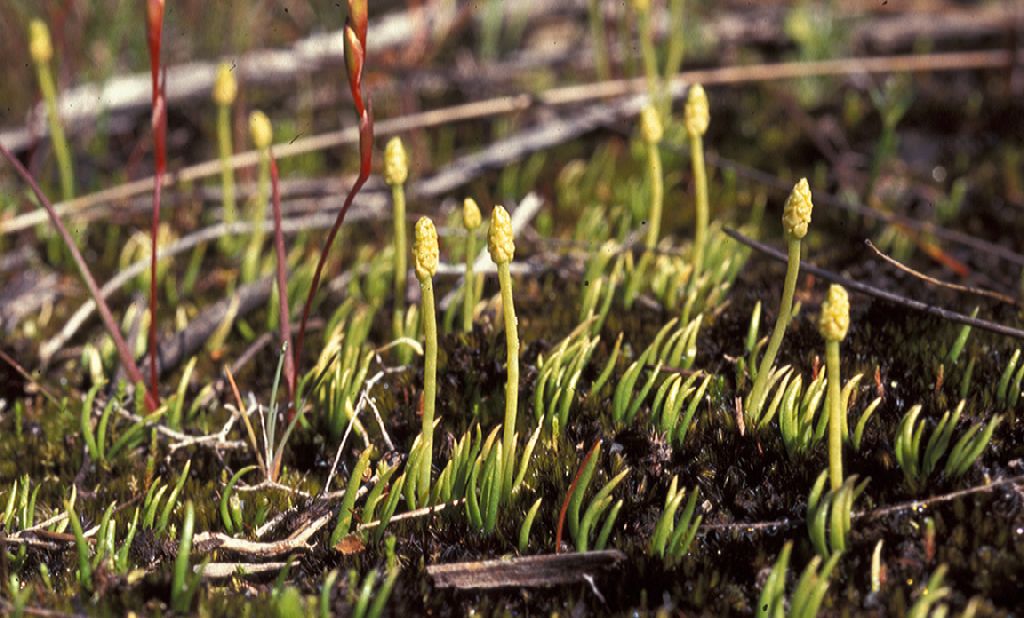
pixel 470 214
pixel 39 45
pixel 698 112
pixel 396 162
pixel 225 88
pixel 261 130
pixel 425 250
pixel 500 239
pixel 796 214
pixel 834 321
pixel 650 125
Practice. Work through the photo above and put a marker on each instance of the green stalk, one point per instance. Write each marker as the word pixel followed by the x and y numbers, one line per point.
pixel 227 174
pixel 180 597
pixel 429 383
pixel 599 40
pixel 754 400
pixel 700 179
pixel 401 263
pixel 650 57
pixel 512 360
pixel 426 255
pixel 469 286
pixel 655 177
pixel 60 144
pixel 835 419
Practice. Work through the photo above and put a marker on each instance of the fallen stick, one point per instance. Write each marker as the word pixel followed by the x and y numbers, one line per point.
pixel 542 571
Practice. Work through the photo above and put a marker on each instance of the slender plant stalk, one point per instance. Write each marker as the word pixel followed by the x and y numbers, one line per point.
pixel 225 90
pixel 41 50
pixel 652 132
pixel 262 132
pixel 599 40
pixel 779 331
pixel 154 34
pixel 796 217
pixel 698 117
pixel 180 599
pixel 355 56
pixel 396 172
pixel 284 318
pixel 833 324
pixel 123 351
pixel 650 58
pixel 501 244
pixel 426 259
pixel 471 221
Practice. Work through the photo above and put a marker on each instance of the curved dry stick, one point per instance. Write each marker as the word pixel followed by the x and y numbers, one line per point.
pixel 966 289
pixel 123 351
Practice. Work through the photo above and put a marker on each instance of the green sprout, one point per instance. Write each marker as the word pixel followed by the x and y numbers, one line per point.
pixel 833 325
pixel 933 591
pixel 184 585
pixel 527 525
pixel 471 221
pixel 829 514
pixel 796 217
pixel 41 51
pixel 396 172
pixel 673 536
pixel 347 510
pixel 810 589
pixel 501 244
pixel 225 89
pixel 582 527
pixel 918 466
pixel 425 254
pixel 652 132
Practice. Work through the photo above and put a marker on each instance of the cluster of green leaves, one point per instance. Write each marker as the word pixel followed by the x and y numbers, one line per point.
pixel 490 484
pixel 99 440
pixel 673 536
pixel 677 350
pixel 602 505
pixel 154 498
pixel 932 593
pixel 918 465
pixel 365 597
pixel 186 582
pixel 378 508
pixel 558 375
pixel 1008 388
pixel 598 286
pixel 343 364
pixel 810 589
pixel 669 399
pixel 829 514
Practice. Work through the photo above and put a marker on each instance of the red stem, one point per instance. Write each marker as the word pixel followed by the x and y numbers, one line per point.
pixel 568 496
pixel 83 269
pixel 282 282
pixel 366 151
pixel 154 376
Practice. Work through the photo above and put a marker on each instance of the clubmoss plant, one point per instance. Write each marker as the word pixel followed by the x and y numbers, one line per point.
pixel 501 244
pixel 261 130
pixel 652 132
pixel 808 595
pixel 796 217
pixel 642 8
pixel 527 525
pixel 425 254
pixel 41 51
pixel 225 89
pixel 471 221
pixel 185 583
pixel 672 537
pixel 396 172
pixel 698 117
pixel 833 325
pixel 348 502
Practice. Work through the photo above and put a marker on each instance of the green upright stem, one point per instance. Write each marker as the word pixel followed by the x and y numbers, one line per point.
pixel 251 261
pixel 429 385
pixel 512 361
pixel 700 180
pixel 60 144
pixel 401 259
pixel 599 40
pixel 227 174
pixel 835 415
pixel 469 285
pixel 649 55
pixel 781 323
pixel 654 174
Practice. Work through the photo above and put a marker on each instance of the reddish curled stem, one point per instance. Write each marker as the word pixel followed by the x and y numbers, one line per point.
pixel 123 351
pixel 568 495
